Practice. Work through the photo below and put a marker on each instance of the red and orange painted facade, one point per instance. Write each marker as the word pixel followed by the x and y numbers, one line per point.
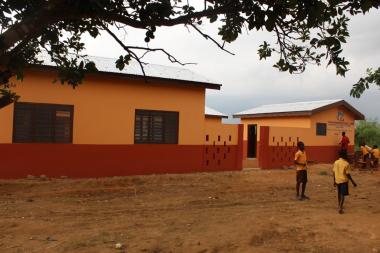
pixel 103 130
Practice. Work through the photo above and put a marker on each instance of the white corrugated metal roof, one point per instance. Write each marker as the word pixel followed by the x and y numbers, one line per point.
pixel 288 107
pixel 152 70
pixel 212 112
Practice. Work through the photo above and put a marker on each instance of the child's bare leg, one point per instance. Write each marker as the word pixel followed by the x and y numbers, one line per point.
pixel 341 202
pixel 339 199
pixel 303 189
pixel 298 188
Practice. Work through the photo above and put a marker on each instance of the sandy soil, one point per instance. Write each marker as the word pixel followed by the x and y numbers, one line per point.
pixel 252 211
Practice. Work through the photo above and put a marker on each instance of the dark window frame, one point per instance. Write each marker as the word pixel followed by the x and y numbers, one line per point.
pixel 165 134
pixel 53 108
pixel 321 129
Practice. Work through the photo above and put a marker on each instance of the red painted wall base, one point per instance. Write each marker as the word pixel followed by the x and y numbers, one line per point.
pixel 279 156
pixel 274 157
pixel 72 160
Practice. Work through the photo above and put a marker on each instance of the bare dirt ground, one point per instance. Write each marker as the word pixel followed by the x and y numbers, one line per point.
pixel 253 211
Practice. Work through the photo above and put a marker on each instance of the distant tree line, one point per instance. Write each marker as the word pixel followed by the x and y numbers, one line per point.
pixel 367 131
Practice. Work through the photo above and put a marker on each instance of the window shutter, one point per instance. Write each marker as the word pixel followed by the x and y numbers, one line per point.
pixel 62 128
pixel 156 126
pixel 42 123
pixel 321 129
pixel 145 125
pixel 171 127
pixel 157 132
pixel 138 128
pixel 22 131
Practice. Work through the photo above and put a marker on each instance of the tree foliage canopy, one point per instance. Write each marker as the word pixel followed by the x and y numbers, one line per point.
pixel 373 77
pixel 306 31
pixel 367 132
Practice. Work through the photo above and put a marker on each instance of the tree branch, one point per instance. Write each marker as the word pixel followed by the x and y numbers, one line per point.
pixel 55 13
pixel 170 56
pixel 125 48
pixel 147 49
pixel 206 36
pixel 31 26
pixel 184 19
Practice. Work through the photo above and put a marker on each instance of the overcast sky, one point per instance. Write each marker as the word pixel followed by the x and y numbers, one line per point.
pixel 247 81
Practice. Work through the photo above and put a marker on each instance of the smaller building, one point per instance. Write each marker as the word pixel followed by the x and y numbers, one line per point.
pixel 271 132
pixel 211 113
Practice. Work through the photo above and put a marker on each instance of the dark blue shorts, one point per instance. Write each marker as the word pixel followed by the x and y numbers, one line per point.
pixel 342 189
pixel 301 176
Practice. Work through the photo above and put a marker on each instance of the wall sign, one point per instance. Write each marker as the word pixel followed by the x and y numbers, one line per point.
pixel 340 116
pixel 340 126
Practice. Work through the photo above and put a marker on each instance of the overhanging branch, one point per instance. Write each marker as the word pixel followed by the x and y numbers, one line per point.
pixel 206 36
pixel 129 49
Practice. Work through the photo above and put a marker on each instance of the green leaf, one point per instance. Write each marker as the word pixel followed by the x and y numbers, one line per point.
pixel 270 22
pixel 91 67
pixel 366 5
pixel 120 63
pixel 213 18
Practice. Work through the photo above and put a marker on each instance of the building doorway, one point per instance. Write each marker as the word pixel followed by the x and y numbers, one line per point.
pixel 252 141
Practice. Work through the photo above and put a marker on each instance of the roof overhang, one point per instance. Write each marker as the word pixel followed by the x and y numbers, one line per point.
pixel 357 115
pixel 275 114
pixel 216 116
pixel 214 86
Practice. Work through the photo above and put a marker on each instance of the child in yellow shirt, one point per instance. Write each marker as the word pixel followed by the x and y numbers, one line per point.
pixel 365 153
pixel 341 173
pixel 300 161
pixel 375 156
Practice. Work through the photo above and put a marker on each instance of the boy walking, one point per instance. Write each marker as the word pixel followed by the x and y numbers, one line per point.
pixel 300 160
pixel 341 173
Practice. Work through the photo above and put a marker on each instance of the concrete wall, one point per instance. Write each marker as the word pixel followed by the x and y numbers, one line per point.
pixel 104 107
pixel 297 121
pixel 335 127
pixel 103 131
pixel 282 134
pixel 219 133
pixel 223 145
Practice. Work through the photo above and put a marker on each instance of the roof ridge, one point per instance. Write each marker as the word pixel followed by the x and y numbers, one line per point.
pixel 303 102
pixel 158 65
pixel 213 112
pixel 103 64
pixel 296 108
pixel 305 106
pixel 134 61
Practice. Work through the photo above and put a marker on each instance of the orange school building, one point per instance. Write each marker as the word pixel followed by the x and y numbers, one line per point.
pixel 115 124
pixel 271 132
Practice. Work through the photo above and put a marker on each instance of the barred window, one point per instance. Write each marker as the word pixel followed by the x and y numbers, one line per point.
pixel 156 126
pixel 321 129
pixel 42 123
